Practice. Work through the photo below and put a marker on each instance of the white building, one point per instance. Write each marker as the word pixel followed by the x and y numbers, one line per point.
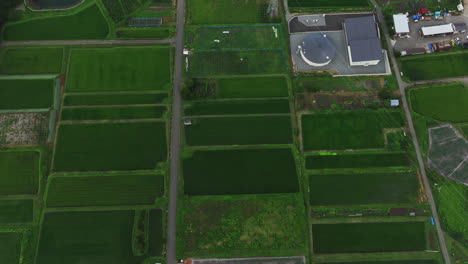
pixel 401 25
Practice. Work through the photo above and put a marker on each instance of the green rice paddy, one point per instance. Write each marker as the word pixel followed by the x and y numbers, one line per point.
pixel 346 160
pixel 26 94
pixel 368 237
pixel 19 172
pixel 120 69
pixel 328 4
pixel 153 33
pixel 88 23
pixel 16 211
pixel 156 231
pixel 11 247
pixel 113 146
pixel 239 130
pixel 272 106
pixel 364 188
pixel 448 65
pixel 246 171
pixel 105 190
pixel 225 11
pixel 31 60
pixel 409 261
pixel 101 113
pixel 114 99
pixel 253 87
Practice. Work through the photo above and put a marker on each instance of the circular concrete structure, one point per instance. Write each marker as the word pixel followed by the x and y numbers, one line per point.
pixel 317 50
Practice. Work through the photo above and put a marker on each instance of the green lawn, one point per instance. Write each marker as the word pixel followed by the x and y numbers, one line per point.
pixel 120 69
pixel 105 190
pixel 19 172
pixel 252 87
pixel 31 60
pixel 346 160
pixel 239 131
pixel 250 171
pixel 357 129
pixel 114 99
pixel 11 247
pixel 226 11
pixel 86 24
pixel 441 102
pixel 26 94
pixel 101 113
pixel 113 146
pixel 271 106
pixel 449 65
pixel 365 188
pixel 368 237
pixel 16 211
pixel 236 226
pixel 238 62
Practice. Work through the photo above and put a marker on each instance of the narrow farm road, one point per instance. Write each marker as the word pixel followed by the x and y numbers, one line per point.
pixel 175 134
pixel 88 42
pixel 402 85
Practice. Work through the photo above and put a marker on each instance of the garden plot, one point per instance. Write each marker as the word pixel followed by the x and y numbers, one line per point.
pixel 31 60
pixel 16 211
pixel 19 172
pixel 24 128
pixel 357 129
pixel 238 62
pixel 110 146
pixel 88 23
pixel 351 160
pixel 448 153
pixel 247 130
pixel 448 65
pixel 26 93
pixel 240 172
pixel 368 237
pixel 105 190
pixel 120 69
pixel 260 224
pixel 364 188
pixel 11 247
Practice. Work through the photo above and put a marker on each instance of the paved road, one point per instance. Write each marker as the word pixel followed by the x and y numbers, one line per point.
pixel 175 135
pixel 88 42
pixel 427 186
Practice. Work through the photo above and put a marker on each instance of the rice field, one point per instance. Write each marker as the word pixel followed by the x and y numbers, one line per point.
pixel 26 94
pixel 253 87
pixel 120 69
pixel 368 237
pixel 238 107
pixel 31 60
pixel 226 12
pixel 408 261
pixel 328 4
pixel 240 172
pixel 364 188
pixel 448 65
pixel 114 99
pixel 106 113
pixel 16 211
pixel 239 130
pixel 105 190
pixel 19 172
pixel 345 160
pixel 11 247
pixel 110 146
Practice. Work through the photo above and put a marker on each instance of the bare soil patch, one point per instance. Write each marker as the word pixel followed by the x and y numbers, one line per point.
pixel 24 128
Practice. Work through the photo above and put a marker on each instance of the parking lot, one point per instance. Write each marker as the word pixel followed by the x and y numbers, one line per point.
pixel 415 41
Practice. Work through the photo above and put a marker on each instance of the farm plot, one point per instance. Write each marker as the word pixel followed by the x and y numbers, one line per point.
pixel 239 130
pixel 31 60
pixel 238 62
pixel 11 247
pixel 16 211
pixel 223 172
pixel 345 160
pixel 19 172
pixel 105 113
pixel 56 4
pixel 227 11
pixel 105 190
pixel 92 237
pixel 368 237
pixel 450 65
pixel 26 94
pixel 241 37
pixel 143 33
pixel 328 4
pixel 31 128
pixel 348 129
pixel 110 146
pixel 114 99
pixel 409 261
pixel 252 87
pixel 271 106
pixel 252 260
pixel 273 224
pixel 156 231
pixel 442 102
pixel 365 188
pixel 120 9
pixel 120 69
pixel 88 23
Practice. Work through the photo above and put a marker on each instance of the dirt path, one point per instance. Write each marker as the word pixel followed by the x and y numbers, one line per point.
pixel 87 42
pixel 427 186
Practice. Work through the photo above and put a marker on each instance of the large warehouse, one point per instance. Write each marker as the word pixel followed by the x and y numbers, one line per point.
pixel 363 41
pixel 317 50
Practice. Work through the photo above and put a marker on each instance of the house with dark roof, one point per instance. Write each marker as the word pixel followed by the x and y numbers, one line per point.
pixel 363 41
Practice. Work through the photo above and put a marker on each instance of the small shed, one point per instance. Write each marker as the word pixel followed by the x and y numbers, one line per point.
pixel 401 25
pixel 394 102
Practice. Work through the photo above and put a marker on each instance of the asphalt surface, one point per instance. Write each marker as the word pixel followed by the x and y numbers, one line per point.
pixel 175 135
pixel 402 85
pixel 88 42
